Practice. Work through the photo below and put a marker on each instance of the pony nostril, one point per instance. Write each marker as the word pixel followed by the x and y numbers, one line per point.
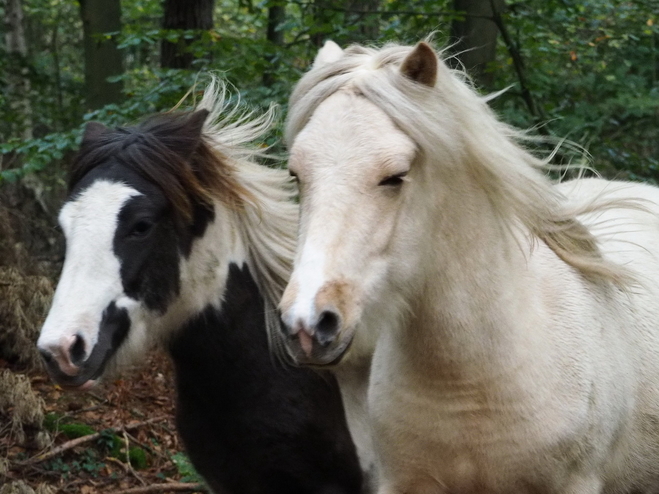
pixel 327 327
pixel 78 350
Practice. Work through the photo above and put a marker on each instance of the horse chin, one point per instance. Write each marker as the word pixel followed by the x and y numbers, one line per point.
pixel 88 373
pixel 324 357
pixel 83 381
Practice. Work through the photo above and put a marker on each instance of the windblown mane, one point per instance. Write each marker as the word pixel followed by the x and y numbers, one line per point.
pixel 454 127
pixel 220 168
pixel 267 211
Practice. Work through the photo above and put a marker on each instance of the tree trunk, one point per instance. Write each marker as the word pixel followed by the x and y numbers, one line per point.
pixel 18 83
pixel 184 15
pixel 354 13
pixel 476 37
pixel 102 57
pixel 275 37
pixel 369 24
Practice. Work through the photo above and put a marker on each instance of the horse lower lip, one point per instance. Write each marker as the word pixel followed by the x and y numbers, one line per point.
pixel 308 360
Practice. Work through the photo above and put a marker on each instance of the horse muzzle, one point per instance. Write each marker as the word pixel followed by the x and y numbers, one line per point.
pixel 72 364
pixel 324 343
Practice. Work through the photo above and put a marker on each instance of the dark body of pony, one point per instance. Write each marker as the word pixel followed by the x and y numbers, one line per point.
pixel 249 423
pixel 250 426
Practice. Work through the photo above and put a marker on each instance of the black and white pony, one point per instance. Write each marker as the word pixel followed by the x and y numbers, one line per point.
pixel 174 235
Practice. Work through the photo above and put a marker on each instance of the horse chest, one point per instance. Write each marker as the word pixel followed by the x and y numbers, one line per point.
pixel 465 440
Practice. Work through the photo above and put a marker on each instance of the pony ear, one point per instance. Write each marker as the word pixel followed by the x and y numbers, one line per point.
pixel 196 121
pixel 421 65
pixel 190 133
pixel 93 130
pixel 329 53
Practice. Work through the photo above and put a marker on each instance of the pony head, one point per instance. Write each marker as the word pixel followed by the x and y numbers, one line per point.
pixel 154 217
pixel 398 161
pixel 354 166
pixel 126 219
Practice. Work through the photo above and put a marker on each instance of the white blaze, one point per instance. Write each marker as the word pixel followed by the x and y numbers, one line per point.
pixel 91 276
pixel 310 277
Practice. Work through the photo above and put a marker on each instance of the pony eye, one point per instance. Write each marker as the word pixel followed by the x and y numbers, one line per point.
pixel 393 180
pixel 294 175
pixel 141 228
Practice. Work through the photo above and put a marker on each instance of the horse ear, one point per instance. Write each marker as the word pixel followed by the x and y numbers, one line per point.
pixel 93 130
pixel 329 53
pixel 421 65
pixel 190 133
pixel 196 121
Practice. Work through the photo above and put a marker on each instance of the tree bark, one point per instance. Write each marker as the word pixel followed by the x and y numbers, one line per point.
pixel 102 57
pixel 476 37
pixel 369 24
pixel 275 37
pixel 18 82
pixel 184 15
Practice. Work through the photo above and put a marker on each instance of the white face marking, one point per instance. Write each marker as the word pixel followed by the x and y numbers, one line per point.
pixel 91 276
pixel 310 275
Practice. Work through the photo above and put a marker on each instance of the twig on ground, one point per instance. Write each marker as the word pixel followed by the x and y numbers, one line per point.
pixel 118 463
pixel 85 439
pixel 176 486
pixel 130 465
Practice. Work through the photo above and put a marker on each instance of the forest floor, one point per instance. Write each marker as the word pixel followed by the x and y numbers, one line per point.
pixel 88 434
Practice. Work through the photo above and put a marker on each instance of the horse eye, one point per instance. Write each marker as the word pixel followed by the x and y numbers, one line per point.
pixel 294 175
pixel 393 180
pixel 141 228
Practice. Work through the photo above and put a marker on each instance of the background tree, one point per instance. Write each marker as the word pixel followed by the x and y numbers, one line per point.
pixel 17 81
pixel 101 23
pixel 475 36
pixel 275 39
pixel 184 22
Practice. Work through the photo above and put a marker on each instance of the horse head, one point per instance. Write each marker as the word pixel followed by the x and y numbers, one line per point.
pixel 128 220
pixel 359 180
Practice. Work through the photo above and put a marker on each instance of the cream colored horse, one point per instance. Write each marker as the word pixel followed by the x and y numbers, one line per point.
pixel 512 324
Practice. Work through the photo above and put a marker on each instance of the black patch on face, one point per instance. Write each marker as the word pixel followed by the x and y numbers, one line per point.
pixel 149 240
pixel 112 333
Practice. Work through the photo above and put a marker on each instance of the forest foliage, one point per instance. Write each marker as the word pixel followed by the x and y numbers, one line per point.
pixel 587 70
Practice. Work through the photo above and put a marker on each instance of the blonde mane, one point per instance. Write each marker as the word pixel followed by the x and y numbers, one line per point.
pixel 454 127
pixel 266 212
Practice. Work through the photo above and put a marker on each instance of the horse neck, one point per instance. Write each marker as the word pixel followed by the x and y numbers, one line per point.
pixel 204 273
pixel 474 291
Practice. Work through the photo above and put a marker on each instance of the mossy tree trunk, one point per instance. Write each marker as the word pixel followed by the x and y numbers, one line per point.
pixel 101 21
pixel 275 37
pixel 476 36
pixel 18 82
pixel 183 15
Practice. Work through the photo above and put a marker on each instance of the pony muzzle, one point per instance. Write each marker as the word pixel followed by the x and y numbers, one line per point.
pixel 73 362
pixel 65 356
pixel 65 362
pixel 324 342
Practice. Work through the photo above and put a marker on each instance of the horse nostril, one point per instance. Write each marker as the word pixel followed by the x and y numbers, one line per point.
pixel 78 350
pixel 327 327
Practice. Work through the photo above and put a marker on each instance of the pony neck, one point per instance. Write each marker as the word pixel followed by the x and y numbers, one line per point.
pixel 204 273
pixel 474 288
pixel 260 234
